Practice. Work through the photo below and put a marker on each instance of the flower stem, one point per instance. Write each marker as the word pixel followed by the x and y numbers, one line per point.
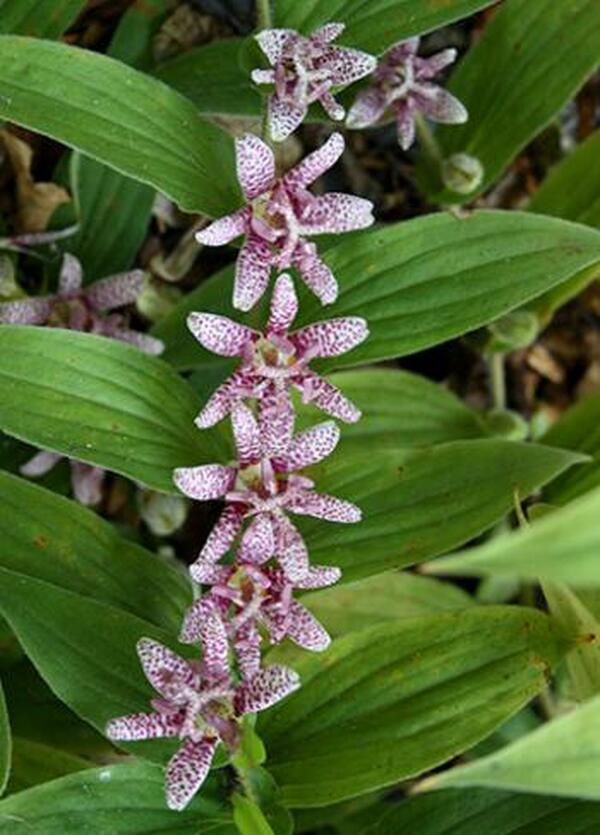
pixel 428 140
pixel 497 380
pixel 263 14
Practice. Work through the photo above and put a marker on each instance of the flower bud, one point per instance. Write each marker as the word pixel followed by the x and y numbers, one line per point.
pixel 462 173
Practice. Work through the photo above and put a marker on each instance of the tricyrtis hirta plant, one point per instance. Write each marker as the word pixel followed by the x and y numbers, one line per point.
pixel 222 613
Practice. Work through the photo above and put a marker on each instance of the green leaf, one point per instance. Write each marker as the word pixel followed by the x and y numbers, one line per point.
pixel 214 78
pixel 5 743
pixel 38 18
pixel 84 650
pixel 50 538
pixel 456 812
pixel 560 546
pixel 100 401
pixel 583 662
pixel 377 24
pixel 413 295
pixel 120 117
pixel 531 60
pixel 125 799
pixel 132 41
pixel 401 408
pixel 248 817
pixel 561 758
pixel 572 189
pixel 418 504
pixel 391 702
pixel 578 429
pixel 33 763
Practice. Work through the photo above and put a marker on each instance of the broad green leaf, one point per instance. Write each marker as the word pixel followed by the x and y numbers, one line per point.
pixel 417 504
pixel 215 79
pixel 120 117
pixel 578 429
pixel 34 763
pixel 84 650
pixel 5 743
pixel 132 41
pixel 396 700
pixel 50 538
pixel 572 189
pixel 248 817
pixel 377 24
pixel 530 61
pixel 384 597
pixel 100 401
pixel 562 546
pixel 402 279
pixel 455 812
pixel 560 758
pixel 126 799
pixel 583 662
pixel 38 18
pixel 400 408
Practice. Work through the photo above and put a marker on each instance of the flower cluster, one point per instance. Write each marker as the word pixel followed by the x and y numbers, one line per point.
pixel 90 309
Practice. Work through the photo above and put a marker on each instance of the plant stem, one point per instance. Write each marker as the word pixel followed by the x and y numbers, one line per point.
pixel 497 380
pixel 428 140
pixel 263 14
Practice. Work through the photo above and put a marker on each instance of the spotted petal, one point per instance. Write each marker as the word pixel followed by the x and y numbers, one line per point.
pixel 368 108
pixel 255 165
pixel 277 418
pixel 258 542
pixel 319 577
pixel 291 550
pixel 187 770
pixel 429 67
pixel 327 397
pixel 404 111
pixel 246 434
pixel 252 271
pixel 116 290
pixel 348 65
pixel 33 311
pixel 334 213
pixel 273 41
pixel 267 688
pixel 163 668
pixel 327 33
pixel 220 334
pixel 316 275
pixel 305 630
pixel 224 398
pixel 209 481
pixel 331 338
pixel 247 650
pixel 138 726
pixel 146 343
pixel 284 117
pixel 332 107
pixel 440 105
pixel 325 507
pixel 203 624
pixel 315 164
pixel 311 446
pixel 221 537
pixel 284 305
pixel 70 277
pixel 225 229
pixel 400 52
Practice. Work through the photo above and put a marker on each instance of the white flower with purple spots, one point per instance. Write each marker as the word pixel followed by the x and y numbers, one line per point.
pixel 276 361
pixel 200 703
pixel 280 214
pixel 306 70
pixel 402 83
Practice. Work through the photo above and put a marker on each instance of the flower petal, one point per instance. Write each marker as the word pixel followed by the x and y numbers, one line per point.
pixel 70 277
pixel 40 464
pixel 258 542
pixel 115 291
pixel 220 334
pixel 311 446
pixel 284 117
pixel 347 65
pixel 325 507
pixel 247 650
pixel 431 66
pixel 246 435
pixel 263 76
pixel 319 577
pixel 332 337
pixel 332 107
pixel 400 52
pixel 32 311
pixel 138 726
pixel 225 397
pixel 187 770
pixel 277 418
pixel 327 397
pixel 292 552
pixel 284 305
pixel 327 33
pixel 305 630
pixel 163 668
pixel 225 229
pixel 255 165
pixel 316 275
pixel 87 482
pixel 209 481
pixel 221 536
pixel 208 574
pixel 405 123
pixel 440 105
pixel 146 343
pixel 335 213
pixel 368 108
pixel 252 271
pixel 315 164
pixel 203 624
pixel 273 41
pixel 267 688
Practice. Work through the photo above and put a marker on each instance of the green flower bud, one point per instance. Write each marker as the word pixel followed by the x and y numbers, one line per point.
pixel 462 173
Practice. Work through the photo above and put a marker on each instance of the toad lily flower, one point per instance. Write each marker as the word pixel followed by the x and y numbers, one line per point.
pixel 245 596
pixel 305 70
pixel 84 309
pixel 402 83
pixel 265 488
pixel 199 703
pixel 275 361
pixel 279 214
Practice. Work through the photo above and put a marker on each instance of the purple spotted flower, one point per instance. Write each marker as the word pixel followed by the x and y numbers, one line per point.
pixel 402 83
pixel 306 70
pixel 275 361
pixel 265 488
pixel 84 309
pixel 200 703
pixel 280 213
pixel 249 594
